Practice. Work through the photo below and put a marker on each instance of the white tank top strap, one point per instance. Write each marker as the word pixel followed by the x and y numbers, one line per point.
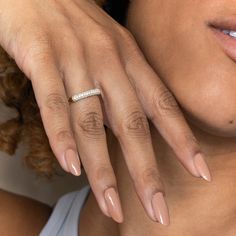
pixel 64 219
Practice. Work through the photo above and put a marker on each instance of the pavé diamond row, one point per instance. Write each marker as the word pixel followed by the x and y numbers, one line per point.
pixel 79 96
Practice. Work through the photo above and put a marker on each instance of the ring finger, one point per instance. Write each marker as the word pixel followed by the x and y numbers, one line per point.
pixel 90 136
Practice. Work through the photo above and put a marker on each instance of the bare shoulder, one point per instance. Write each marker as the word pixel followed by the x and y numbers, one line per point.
pixel 20 216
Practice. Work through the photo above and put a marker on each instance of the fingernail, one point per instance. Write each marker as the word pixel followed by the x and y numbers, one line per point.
pixel 202 167
pixel 113 204
pixel 160 208
pixel 73 162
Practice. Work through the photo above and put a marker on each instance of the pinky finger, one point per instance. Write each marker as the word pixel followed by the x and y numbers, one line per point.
pixel 54 109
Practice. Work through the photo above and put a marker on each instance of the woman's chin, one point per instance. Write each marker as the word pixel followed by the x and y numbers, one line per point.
pixel 217 127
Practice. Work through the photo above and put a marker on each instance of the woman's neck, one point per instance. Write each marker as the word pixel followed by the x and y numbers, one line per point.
pixel 196 207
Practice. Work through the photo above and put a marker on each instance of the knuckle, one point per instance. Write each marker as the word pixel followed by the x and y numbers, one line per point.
pixel 72 54
pixel 165 103
pixel 76 48
pixel 150 173
pixel 37 48
pixel 149 180
pixel 105 40
pixel 191 139
pixel 55 102
pixel 189 142
pixel 103 173
pixel 126 34
pixel 134 124
pixel 91 124
pixel 151 176
pixel 63 135
pixel 70 41
pixel 41 57
pixel 132 51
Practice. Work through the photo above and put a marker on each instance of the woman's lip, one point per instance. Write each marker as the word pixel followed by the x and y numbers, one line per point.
pixel 228 23
pixel 227 42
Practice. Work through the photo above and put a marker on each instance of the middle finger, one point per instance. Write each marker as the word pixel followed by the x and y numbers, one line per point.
pixel 130 126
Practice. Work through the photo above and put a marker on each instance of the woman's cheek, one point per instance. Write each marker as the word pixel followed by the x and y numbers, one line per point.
pixel 190 62
pixel 211 105
pixel 203 82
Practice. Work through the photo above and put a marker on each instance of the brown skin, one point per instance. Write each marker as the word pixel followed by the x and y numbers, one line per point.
pixel 184 52
pixel 96 42
pixel 196 207
pixel 21 216
pixel 175 38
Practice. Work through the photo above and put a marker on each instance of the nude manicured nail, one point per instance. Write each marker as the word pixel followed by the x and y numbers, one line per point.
pixel 202 167
pixel 113 204
pixel 73 162
pixel 160 208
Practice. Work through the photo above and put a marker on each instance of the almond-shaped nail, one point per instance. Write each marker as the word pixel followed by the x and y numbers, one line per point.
pixel 160 208
pixel 73 162
pixel 202 167
pixel 113 204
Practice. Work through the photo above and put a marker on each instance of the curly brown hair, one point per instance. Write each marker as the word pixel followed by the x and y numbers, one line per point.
pixel 16 92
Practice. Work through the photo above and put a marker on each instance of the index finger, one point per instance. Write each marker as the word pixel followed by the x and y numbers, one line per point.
pixel 162 109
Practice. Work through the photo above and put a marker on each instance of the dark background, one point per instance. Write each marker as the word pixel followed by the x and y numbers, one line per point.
pixel 117 9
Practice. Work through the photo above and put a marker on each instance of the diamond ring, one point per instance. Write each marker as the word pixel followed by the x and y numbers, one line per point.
pixel 80 96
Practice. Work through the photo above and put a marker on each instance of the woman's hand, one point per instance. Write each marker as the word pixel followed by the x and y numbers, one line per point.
pixel 69 46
